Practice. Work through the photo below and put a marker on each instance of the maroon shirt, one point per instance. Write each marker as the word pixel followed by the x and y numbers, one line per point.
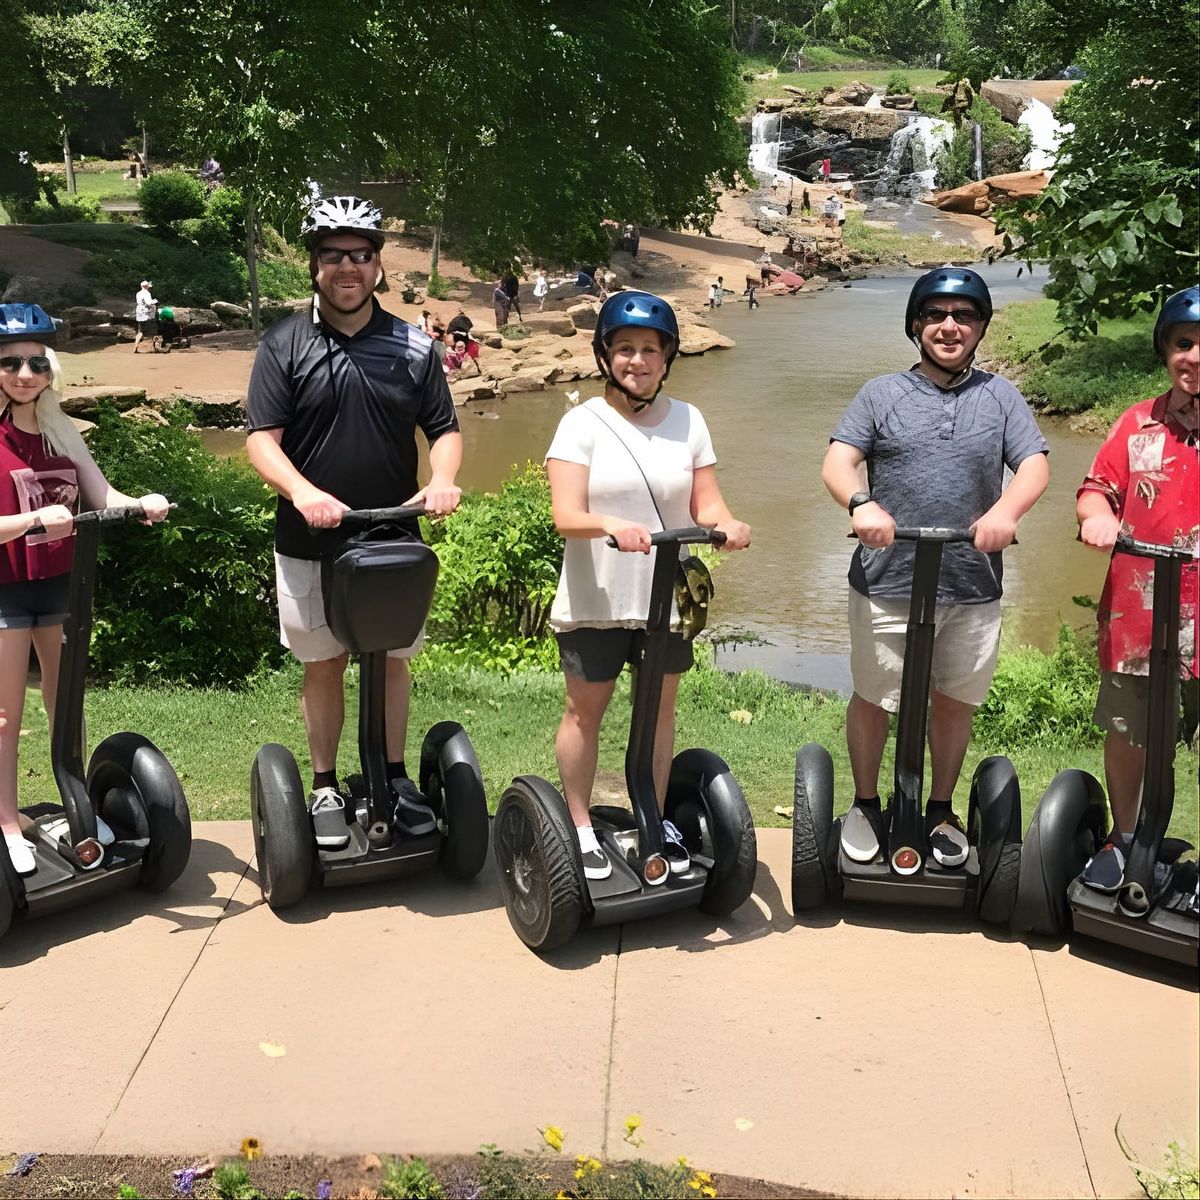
pixel 30 478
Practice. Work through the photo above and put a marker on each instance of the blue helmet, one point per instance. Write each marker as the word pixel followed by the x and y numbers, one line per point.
pixel 623 309
pixel 1180 309
pixel 948 281
pixel 26 323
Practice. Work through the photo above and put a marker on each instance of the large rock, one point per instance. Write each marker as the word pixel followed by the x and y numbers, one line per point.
pixel 463 390
pixel 30 289
pixel 198 320
pixel 499 364
pixel 579 367
pixel 901 102
pixel 970 198
pixel 231 314
pixel 584 314
pixel 860 124
pixel 85 401
pixel 698 339
pixel 80 314
pixel 110 333
pixel 521 383
pixel 854 92
pixel 979 196
pixel 545 322
pixel 218 410
pixel 1017 185
pixel 1011 96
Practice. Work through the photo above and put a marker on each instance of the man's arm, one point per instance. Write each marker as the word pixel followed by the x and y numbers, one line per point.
pixel 441 494
pixel 318 508
pixel 1098 524
pixel 997 528
pixel 843 475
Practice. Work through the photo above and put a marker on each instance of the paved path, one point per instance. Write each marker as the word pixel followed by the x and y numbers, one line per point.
pixel 840 1053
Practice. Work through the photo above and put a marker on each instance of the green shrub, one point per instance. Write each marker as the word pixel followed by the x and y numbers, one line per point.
pixel 897 82
pixel 500 558
pixel 232 1180
pixel 224 221
pixel 188 601
pixel 282 279
pixel 61 209
pixel 412 1180
pixel 1004 147
pixel 438 287
pixel 168 197
pixel 857 45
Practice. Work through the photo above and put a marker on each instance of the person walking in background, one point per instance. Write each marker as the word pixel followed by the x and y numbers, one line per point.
pixel 500 304
pixel 540 288
pixel 826 170
pixel 145 313
pixel 716 292
pixel 751 298
pixel 839 213
pixel 764 268
pixel 829 213
pixel 512 289
pixel 805 203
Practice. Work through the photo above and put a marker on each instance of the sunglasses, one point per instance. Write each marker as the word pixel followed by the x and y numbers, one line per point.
pixel 960 316
pixel 331 256
pixel 11 364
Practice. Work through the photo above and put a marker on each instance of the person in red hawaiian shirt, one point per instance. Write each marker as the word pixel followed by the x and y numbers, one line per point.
pixel 1144 482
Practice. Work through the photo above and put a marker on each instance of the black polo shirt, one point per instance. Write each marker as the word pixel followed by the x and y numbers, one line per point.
pixel 349 408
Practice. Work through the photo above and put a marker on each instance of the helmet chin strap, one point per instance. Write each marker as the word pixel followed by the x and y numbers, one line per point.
pixel 954 378
pixel 636 402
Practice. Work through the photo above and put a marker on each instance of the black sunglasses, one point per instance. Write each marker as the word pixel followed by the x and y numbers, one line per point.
pixel 39 364
pixel 331 256
pixel 960 316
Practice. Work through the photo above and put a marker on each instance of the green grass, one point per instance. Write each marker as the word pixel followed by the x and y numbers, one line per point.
pixel 106 185
pixel 212 736
pixel 811 81
pixel 1102 375
pixel 891 246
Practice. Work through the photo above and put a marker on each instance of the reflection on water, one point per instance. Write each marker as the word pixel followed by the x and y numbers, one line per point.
pixel 771 405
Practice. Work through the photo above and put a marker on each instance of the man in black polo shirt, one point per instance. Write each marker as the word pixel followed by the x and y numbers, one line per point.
pixel 337 394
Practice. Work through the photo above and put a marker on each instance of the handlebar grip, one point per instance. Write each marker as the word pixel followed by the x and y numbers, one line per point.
pixel 382 516
pixel 689 534
pixel 1135 546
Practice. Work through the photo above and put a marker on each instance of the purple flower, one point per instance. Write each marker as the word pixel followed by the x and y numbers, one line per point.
pixel 185 1180
pixel 24 1164
pixel 324 1189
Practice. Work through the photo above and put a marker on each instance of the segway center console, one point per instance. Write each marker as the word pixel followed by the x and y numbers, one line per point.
pixel 905 872
pixel 1155 908
pixel 537 851
pixel 144 835
pixel 378 589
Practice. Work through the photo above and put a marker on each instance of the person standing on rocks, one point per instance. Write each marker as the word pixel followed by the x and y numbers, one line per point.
pixel 145 313
pixel 336 397
pixel 935 441
pixel 540 288
pixel 512 289
pixel 500 304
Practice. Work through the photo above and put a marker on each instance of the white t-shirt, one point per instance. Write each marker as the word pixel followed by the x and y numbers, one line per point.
pixel 143 306
pixel 601 587
pixel 540 287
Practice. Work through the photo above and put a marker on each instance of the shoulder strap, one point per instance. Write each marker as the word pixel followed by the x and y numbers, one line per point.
pixel 636 462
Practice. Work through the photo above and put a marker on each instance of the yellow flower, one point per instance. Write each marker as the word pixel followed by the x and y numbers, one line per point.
pixel 251 1149
pixel 553 1137
pixel 561 1195
pixel 683 1162
pixel 694 1184
pixel 703 1176
pixel 632 1122
pixel 709 1191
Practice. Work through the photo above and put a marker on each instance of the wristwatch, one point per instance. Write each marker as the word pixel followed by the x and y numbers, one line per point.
pixel 857 499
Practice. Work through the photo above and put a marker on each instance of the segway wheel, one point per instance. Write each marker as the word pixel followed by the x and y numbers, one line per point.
pixel 1067 828
pixel 133 786
pixel 814 872
pixel 994 829
pixel 452 783
pixel 283 837
pixel 706 804
pixel 6 904
pixel 541 872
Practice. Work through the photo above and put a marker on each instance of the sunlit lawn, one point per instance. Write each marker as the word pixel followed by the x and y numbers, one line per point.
pixel 812 81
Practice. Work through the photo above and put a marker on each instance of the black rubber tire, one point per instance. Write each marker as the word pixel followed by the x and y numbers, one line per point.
pixel 812 817
pixel 997 900
pixel 706 803
pixel 128 771
pixel 994 828
pixel 452 783
pixel 284 846
pixel 539 865
pixel 6 905
pixel 1068 826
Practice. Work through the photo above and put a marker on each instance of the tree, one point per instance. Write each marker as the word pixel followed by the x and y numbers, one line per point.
pixel 1119 224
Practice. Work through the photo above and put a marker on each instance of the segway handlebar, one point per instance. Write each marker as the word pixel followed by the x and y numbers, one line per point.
pixel 1128 545
pixel 382 516
pixel 689 535
pixel 103 516
pixel 929 533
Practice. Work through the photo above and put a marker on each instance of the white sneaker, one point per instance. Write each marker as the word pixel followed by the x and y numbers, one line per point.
pixel 20 854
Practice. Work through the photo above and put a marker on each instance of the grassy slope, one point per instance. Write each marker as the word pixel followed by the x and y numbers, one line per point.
pixel 212 737
pixel 811 81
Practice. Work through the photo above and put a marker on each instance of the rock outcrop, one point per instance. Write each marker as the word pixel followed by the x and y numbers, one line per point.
pixel 979 197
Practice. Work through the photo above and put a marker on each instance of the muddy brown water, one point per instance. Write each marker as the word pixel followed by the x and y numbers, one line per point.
pixel 771 405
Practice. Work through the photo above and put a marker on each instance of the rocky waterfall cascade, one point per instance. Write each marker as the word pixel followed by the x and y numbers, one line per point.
pixel 910 166
pixel 1045 131
pixel 765 134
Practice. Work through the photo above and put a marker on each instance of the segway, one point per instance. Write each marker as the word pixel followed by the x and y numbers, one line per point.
pixel 986 883
pixel 546 893
pixel 378 590
pixel 129 783
pixel 1156 909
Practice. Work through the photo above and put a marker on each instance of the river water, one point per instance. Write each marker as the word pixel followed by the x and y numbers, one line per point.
pixel 771 405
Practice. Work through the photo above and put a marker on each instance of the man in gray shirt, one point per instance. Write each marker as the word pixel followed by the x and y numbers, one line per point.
pixel 935 441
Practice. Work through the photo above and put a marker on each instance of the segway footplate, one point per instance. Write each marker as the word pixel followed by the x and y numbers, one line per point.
pixel 1165 934
pixel 931 887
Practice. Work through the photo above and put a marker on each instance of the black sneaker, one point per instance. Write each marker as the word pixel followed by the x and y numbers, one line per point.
pixel 1105 870
pixel 674 851
pixel 411 816
pixel 947 839
pixel 863 833
pixel 596 864
pixel 327 807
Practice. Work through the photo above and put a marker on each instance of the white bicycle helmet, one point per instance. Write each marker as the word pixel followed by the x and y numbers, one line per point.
pixel 342 214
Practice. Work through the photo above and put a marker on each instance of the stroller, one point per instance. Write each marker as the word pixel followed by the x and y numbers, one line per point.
pixel 171 335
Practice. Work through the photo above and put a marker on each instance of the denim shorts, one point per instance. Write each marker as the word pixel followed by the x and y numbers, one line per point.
pixel 32 603
pixel 597 655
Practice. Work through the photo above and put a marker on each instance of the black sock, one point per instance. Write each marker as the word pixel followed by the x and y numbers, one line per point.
pixel 867 801
pixel 937 811
pixel 324 779
pixel 395 770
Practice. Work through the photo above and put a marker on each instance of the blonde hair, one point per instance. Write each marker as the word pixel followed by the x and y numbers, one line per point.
pixel 54 425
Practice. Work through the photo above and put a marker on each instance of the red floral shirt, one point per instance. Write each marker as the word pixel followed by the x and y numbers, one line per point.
pixel 1149 474
pixel 32 477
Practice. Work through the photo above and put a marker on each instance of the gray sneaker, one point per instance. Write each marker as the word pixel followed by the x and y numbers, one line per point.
pixel 327 807
pixel 412 816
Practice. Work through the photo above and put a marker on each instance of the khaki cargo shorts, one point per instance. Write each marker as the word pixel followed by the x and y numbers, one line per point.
pixel 966 643
pixel 302 627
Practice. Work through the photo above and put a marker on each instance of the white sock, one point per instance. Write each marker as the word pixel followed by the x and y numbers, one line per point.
pixel 587 838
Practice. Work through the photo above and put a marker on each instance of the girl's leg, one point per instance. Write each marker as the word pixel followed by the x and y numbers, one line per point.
pixel 664 738
pixel 48 642
pixel 14 669
pixel 577 746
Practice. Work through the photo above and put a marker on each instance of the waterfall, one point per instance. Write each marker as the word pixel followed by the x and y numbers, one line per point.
pixel 1045 133
pixel 765 129
pixel 911 165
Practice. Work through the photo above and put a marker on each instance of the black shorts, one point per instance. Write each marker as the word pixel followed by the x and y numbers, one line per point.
pixel 36 602
pixel 597 655
pixel 147 327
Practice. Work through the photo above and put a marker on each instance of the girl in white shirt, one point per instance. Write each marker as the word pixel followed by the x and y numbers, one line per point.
pixel 616 463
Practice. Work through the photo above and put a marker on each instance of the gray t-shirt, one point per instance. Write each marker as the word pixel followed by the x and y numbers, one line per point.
pixel 936 457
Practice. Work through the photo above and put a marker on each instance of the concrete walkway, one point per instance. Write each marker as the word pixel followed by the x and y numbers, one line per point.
pixel 842 1053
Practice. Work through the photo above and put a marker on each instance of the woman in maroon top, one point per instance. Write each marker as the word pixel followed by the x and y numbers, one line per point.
pixel 45 470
